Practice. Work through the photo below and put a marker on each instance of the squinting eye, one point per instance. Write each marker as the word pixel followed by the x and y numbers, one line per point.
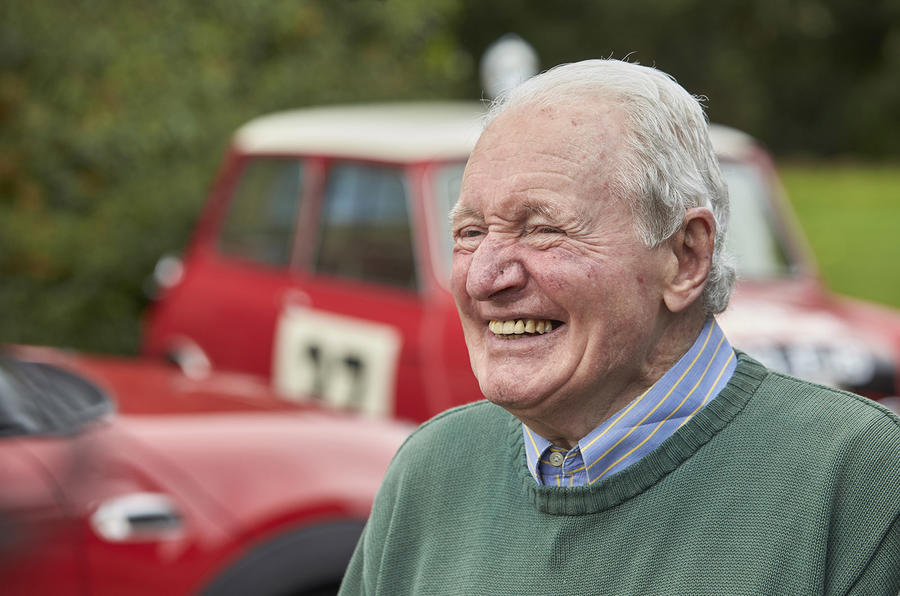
pixel 469 233
pixel 468 238
pixel 547 230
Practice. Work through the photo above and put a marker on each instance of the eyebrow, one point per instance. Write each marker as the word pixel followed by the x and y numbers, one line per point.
pixel 460 212
pixel 538 208
pixel 541 209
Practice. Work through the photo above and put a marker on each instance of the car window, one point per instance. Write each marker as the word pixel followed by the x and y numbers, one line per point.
pixel 365 231
pixel 263 211
pixel 37 398
pixel 752 233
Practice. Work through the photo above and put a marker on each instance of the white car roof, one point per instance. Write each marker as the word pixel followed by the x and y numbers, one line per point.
pixel 401 132
pixel 731 143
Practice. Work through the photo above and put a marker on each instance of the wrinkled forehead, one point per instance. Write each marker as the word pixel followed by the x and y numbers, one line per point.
pixel 533 148
pixel 573 132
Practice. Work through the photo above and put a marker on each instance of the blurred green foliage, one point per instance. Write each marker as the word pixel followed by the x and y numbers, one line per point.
pixel 113 115
pixel 851 216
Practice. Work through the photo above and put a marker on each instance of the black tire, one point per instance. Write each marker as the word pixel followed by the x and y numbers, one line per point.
pixel 307 562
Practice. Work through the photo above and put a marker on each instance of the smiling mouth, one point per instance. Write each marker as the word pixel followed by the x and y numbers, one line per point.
pixel 518 328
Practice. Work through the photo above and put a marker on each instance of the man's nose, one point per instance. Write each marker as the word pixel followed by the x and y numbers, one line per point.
pixel 494 268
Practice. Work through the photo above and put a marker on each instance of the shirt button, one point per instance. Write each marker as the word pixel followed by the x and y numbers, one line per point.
pixel 556 459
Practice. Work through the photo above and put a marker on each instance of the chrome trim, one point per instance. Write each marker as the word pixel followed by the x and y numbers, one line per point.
pixel 137 517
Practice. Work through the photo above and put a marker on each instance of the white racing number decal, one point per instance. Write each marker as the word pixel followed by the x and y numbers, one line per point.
pixel 350 363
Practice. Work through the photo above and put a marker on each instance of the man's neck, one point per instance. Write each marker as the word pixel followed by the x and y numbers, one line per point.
pixel 567 421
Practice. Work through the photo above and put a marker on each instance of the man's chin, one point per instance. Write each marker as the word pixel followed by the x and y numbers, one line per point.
pixel 515 397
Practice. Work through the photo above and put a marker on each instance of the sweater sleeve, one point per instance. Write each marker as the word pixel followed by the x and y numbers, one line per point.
pixel 882 574
pixel 865 546
pixel 370 562
pixel 362 573
pixel 354 581
pixel 365 568
pixel 400 506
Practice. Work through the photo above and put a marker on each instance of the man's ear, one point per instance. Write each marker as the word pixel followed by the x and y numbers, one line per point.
pixel 692 247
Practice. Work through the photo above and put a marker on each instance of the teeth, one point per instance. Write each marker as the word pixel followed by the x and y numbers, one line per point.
pixel 519 326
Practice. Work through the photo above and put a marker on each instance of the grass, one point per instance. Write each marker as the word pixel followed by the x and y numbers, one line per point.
pixel 851 215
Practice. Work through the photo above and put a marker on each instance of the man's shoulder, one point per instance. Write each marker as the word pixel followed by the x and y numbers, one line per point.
pixel 820 420
pixel 835 407
pixel 785 397
pixel 462 421
pixel 469 428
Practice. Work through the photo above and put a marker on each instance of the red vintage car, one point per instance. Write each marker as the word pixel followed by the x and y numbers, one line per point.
pixel 128 478
pixel 321 262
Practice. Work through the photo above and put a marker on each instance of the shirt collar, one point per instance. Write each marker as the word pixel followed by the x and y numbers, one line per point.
pixel 647 421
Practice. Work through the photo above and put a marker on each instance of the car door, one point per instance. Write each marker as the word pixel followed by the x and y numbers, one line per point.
pixel 350 324
pixel 40 541
pixel 241 265
pixel 308 275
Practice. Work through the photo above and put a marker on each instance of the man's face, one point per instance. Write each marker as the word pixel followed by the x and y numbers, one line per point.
pixel 539 239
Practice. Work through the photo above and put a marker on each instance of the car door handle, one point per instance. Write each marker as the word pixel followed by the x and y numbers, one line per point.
pixel 137 517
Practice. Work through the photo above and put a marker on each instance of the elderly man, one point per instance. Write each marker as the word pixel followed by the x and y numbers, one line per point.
pixel 624 447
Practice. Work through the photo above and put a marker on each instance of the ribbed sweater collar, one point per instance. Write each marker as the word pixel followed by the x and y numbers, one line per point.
pixel 630 482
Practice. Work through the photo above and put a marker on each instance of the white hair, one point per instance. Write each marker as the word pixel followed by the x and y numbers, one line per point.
pixel 670 165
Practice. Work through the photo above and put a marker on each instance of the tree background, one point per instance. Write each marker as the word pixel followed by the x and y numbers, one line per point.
pixel 114 115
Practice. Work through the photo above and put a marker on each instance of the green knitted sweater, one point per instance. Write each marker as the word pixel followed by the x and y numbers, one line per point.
pixel 777 486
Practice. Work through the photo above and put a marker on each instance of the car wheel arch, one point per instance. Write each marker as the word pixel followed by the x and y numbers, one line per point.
pixel 307 561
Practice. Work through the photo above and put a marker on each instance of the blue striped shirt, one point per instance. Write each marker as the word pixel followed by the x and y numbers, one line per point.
pixel 643 424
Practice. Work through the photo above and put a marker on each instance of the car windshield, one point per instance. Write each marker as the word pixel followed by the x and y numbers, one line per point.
pixel 37 398
pixel 752 235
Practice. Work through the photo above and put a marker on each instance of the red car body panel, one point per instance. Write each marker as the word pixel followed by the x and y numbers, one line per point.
pixel 42 548
pixel 240 465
